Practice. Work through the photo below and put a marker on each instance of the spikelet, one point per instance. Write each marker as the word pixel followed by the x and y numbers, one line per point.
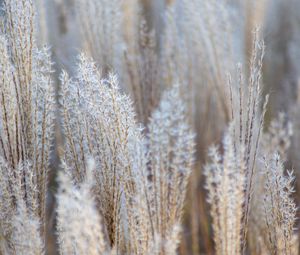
pixel 26 236
pixel 278 206
pixel 225 182
pixel 26 114
pixel 277 139
pixel 19 209
pixel 162 163
pixel 248 121
pixel 79 224
pixel 171 151
pixel 98 121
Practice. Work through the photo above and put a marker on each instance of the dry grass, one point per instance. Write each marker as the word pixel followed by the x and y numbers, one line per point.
pixel 155 84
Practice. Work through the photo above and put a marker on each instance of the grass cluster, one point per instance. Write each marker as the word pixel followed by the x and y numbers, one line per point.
pixel 132 120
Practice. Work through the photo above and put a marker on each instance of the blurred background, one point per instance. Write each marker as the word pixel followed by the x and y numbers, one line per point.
pixel 151 44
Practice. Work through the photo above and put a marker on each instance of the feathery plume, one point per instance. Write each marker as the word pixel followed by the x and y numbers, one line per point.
pixel 98 121
pixel 26 113
pixel 278 205
pixel 79 224
pixel 225 182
